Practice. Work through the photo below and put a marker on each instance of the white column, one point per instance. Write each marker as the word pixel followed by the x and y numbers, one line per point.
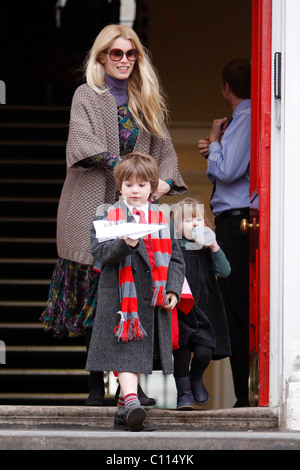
pixel 290 367
pixel 276 228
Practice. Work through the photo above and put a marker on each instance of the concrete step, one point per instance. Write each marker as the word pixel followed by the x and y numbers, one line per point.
pixel 31 114
pixel 27 168
pixel 30 187
pixel 149 448
pixel 27 226
pixel 102 417
pixel 184 433
pixel 42 267
pixel 31 206
pixel 42 150
pixel 34 130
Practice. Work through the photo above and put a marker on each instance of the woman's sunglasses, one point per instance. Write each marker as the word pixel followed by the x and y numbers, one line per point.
pixel 117 54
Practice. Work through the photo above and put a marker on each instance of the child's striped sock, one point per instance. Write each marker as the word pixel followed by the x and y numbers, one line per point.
pixel 121 406
pixel 130 399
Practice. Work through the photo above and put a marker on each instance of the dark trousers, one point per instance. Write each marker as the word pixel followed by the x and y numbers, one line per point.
pixel 235 292
pixel 202 356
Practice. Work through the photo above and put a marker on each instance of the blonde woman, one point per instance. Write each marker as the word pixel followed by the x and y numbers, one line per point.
pixel 119 109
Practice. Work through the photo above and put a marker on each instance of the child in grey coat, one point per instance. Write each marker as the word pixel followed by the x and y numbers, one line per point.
pixel 140 284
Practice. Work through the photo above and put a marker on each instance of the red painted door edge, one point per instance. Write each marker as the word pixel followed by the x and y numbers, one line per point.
pixel 260 177
pixel 264 188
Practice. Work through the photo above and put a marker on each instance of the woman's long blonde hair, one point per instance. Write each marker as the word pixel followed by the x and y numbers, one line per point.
pixel 146 102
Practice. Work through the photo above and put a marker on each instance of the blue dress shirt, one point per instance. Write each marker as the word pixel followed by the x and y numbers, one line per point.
pixel 228 163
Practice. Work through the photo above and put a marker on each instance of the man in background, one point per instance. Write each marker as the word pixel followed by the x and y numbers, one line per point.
pixel 227 150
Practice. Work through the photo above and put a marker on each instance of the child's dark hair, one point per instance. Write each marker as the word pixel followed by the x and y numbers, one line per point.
pixel 137 165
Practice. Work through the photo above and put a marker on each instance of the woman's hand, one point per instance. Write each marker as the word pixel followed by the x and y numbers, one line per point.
pixel 163 188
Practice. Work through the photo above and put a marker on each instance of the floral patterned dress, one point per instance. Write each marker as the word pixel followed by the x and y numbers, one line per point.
pixel 72 297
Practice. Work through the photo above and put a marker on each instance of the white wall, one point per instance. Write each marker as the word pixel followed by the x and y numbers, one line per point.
pixel 285 222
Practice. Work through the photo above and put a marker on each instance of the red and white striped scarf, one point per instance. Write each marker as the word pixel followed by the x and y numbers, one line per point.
pixel 130 327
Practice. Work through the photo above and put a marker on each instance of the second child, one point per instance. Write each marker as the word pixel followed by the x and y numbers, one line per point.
pixel 203 332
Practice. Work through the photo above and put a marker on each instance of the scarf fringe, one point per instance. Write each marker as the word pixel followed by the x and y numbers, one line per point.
pixel 159 297
pixel 129 329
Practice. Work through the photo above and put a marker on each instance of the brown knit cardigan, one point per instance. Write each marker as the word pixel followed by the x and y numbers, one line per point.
pixel 94 129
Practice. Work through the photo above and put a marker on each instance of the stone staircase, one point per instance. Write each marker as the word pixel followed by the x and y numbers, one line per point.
pixel 39 369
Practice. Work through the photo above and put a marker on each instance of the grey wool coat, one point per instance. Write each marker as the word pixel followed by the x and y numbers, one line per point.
pixel 106 353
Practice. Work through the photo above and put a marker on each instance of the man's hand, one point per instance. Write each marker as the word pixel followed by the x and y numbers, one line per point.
pixel 217 130
pixel 203 145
